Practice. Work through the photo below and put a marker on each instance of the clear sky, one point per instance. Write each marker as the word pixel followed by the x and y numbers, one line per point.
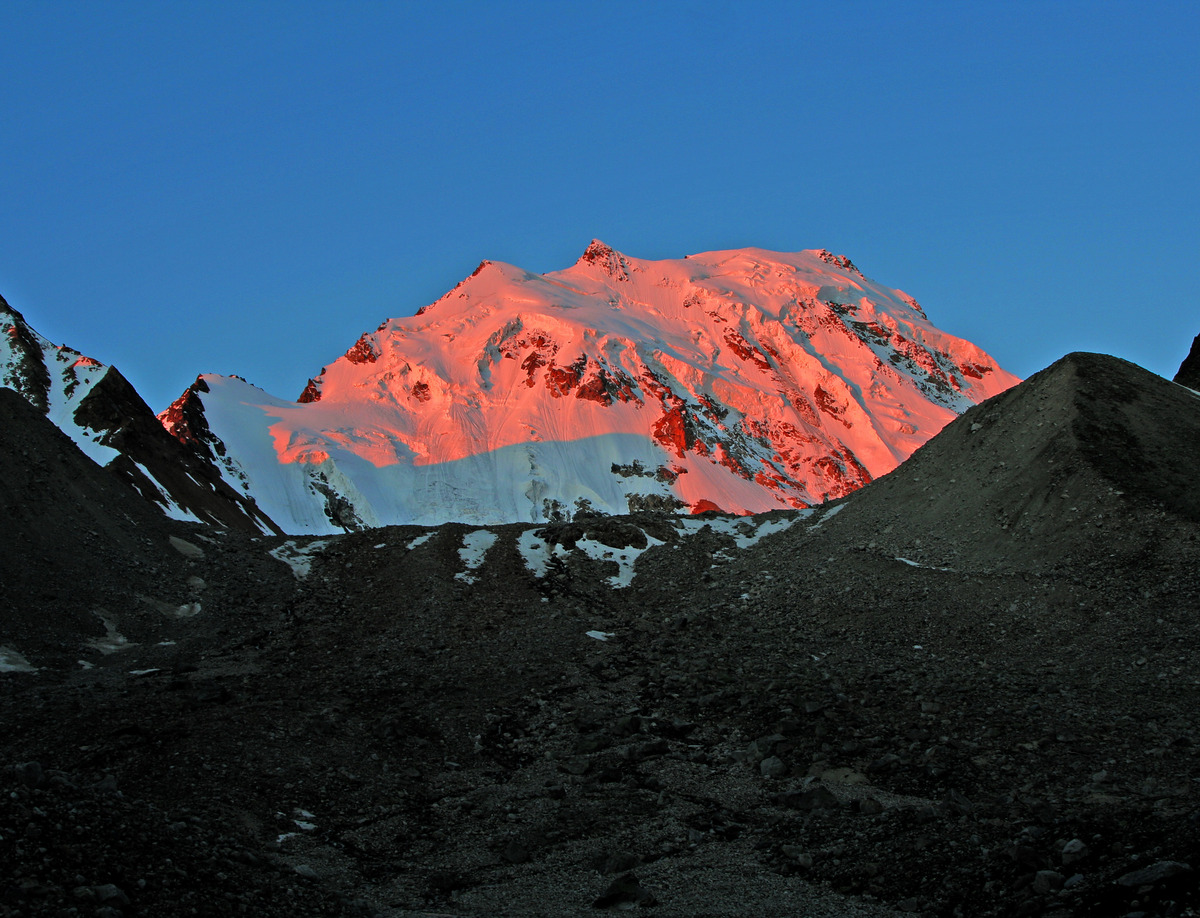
pixel 247 187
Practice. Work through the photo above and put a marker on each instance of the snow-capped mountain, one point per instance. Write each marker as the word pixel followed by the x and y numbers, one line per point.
pixel 742 380
pixel 102 413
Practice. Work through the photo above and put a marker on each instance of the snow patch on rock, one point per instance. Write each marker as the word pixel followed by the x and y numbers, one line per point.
pixel 474 548
pixel 13 661
pixel 298 557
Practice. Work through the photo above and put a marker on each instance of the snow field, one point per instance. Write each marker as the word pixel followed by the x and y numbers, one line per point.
pixel 625 558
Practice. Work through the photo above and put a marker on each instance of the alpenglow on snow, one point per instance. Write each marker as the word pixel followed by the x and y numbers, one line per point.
pixel 742 380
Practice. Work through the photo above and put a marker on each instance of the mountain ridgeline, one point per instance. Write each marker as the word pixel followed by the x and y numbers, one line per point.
pixel 106 418
pixel 741 381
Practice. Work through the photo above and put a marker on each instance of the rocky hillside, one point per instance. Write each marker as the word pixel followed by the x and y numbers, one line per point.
pixel 965 689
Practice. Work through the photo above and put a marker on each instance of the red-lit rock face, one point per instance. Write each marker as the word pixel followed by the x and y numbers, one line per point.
pixel 363 351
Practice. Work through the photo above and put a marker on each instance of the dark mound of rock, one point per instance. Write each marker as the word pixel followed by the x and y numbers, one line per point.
pixel 1189 370
pixel 1052 466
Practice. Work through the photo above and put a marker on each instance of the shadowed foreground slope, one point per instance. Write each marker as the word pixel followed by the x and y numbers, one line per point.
pixel 76 538
pixel 968 689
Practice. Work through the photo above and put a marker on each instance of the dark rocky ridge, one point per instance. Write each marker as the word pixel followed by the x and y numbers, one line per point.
pixel 32 378
pixel 183 468
pixel 114 411
pixel 808 726
pixel 1189 370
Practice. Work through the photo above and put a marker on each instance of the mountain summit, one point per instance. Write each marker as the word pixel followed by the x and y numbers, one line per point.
pixel 742 380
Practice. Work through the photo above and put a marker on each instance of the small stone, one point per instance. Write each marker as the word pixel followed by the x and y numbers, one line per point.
pixel 625 892
pixel 1074 851
pixel 799 855
pixel 763 747
pixel 106 785
pixel 620 862
pixel 108 894
pixel 31 774
pixel 307 872
pixel 1154 874
pixel 187 549
pixel 815 798
pixel 883 764
pixel 773 767
pixel 445 881
pixel 593 742
pixel 515 853
pixel 627 725
pixel 679 728
pixel 1047 881
pixel 575 765
pixel 649 750
pixel 843 776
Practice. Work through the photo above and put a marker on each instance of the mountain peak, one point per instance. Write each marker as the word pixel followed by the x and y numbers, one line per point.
pixel 744 379
pixel 838 261
pixel 597 249
pixel 605 257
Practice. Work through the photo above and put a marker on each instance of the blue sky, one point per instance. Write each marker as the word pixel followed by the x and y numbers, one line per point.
pixel 247 187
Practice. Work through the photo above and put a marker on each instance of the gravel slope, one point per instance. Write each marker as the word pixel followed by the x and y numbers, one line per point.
pixel 962 693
